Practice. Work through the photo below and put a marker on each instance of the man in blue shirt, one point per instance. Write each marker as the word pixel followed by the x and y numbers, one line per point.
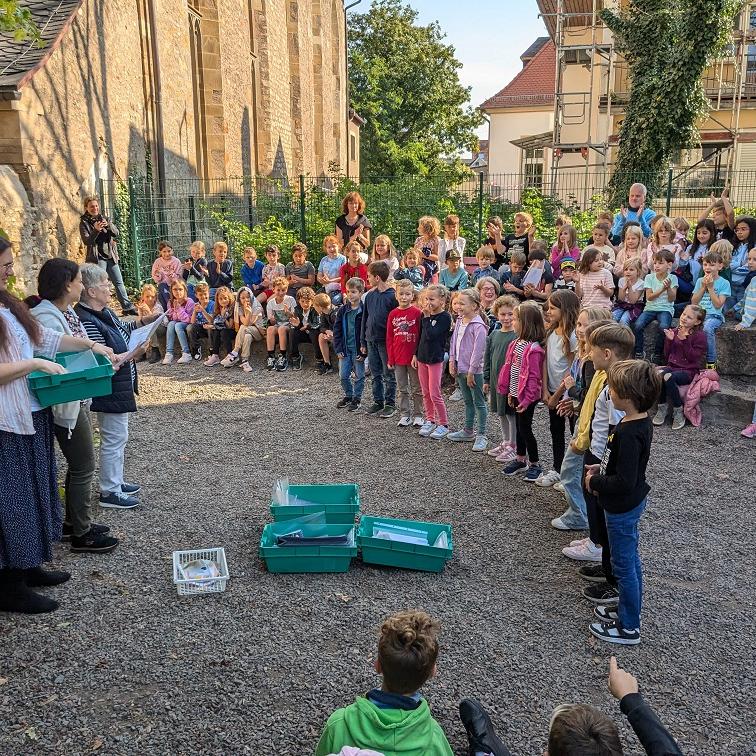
pixel 635 211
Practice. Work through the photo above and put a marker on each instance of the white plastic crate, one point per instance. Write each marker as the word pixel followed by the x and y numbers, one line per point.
pixel 192 587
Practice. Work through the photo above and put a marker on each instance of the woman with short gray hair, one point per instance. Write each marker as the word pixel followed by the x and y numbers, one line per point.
pixel 105 327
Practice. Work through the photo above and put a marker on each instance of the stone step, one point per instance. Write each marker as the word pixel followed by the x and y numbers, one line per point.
pixel 736 351
pixel 731 405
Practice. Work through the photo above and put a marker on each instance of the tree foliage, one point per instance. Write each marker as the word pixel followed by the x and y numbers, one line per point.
pixel 667 45
pixel 18 22
pixel 404 81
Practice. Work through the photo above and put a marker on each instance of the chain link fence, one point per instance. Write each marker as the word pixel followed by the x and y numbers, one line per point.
pixel 262 210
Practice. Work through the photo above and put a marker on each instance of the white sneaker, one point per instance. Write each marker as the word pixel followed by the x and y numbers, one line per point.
pixel 427 429
pixel 456 396
pixel 168 359
pixel 185 359
pixel 229 360
pixel 548 479
pixel 480 444
pixel 404 421
pixel 440 431
pixel 246 367
pixel 580 541
pixel 418 422
pixel 585 552
pixel 496 450
pixel 212 360
pixel 559 486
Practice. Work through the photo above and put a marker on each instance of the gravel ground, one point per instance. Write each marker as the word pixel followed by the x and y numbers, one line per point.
pixel 127 667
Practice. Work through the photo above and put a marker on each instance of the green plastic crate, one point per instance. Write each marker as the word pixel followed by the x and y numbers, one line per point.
pixel 339 501
pixel 409 556
pixel 307 558
pixel 72 387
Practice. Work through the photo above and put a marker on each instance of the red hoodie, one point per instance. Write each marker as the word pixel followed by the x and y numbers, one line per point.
pixel 402 333
pixel 346 271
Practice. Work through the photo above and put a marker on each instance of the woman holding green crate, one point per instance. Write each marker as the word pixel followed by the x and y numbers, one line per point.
pixel 30 512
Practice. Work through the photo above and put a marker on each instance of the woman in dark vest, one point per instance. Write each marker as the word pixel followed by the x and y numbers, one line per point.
pixel 105 327
pixel 99 235
pixel 30 511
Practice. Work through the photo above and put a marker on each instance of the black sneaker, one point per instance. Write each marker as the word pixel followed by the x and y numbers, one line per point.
pixel 93 543
pixel 593 573
pixel 601 593
pixel 606 614
pixel 613 632
pixel 388 411
pixel 271 363
pixel 321 368
pixel 130 488
pixel 329 369
pixel 296 362
pixel 93 528
pixel 374 408
pixel 281 363
pixel 355 405
pixel 480 730
pixel 345 402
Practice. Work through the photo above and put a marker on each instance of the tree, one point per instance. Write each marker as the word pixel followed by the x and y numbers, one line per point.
pixel 404 81
pixel 667 45
pixel 18 22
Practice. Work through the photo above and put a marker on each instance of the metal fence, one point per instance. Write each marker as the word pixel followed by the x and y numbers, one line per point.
pixel 263 210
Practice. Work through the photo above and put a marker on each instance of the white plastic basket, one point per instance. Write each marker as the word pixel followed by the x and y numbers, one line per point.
pixel 192 587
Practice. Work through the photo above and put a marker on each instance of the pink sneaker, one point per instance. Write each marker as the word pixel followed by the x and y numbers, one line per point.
pixel 507 454
pixel 749 431
pixel 579 541
pixel 212 360
pixel 496 450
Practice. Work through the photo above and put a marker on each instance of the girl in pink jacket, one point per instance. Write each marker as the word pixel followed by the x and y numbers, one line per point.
pixel 466 354
pixel 521 377
pixel 179 313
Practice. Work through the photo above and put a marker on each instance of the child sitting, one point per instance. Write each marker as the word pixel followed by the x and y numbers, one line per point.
pixel 146 307
pixel 722 216
pixel 427 242
pixel 396 719
pixel 195 266
pixel 566 276
pixel 327 313
pixel 663 237
pixel 684 350
pixel 540 291
pixel 454 276
pixel 710 294
pixel 745 233
pixel 305 327
pixel 511 280
pixel 486 258
pixel 220 271
pixel 566 247
pixel 280 308
pixel 450 241
pixel 619 482
pixel 271 270
pixel 661 291
pixel 521 378
pixel 496 351
pixel 747 307
pixel 600 236
pixel 631 246
pixel 249 325
pixel 222 328
pixel 346 342
pixel 630 292
pixel 179 313
pixel 703 238
pixel 300 271
pixel 682 229
pixel 468 348
pixel 383 249
pixel 202 319
pixel 165 270
pixel 494 242
pixel 252 271
pixel 352 268
pixel 402 331
pixel 329 268
pixel 411 270
pixel 595 285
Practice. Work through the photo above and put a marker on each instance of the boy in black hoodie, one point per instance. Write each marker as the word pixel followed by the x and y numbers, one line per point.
pixel 346 341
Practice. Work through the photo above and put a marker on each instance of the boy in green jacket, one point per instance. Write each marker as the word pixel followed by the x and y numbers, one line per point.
pixel 396 719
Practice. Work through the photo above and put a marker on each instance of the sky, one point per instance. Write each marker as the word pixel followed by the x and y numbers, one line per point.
pixel 488 38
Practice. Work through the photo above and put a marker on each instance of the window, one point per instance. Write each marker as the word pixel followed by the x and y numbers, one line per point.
pixel 532 167
pixel 352 147
pixel 198 94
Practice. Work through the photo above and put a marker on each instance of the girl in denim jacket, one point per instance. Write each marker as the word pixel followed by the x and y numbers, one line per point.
pixel 521 378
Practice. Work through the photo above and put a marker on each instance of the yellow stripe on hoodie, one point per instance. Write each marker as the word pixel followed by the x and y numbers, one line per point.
pixel 583 437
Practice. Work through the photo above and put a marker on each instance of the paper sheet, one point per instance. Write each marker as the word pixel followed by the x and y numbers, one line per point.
pixel 532 277
pixel 140 335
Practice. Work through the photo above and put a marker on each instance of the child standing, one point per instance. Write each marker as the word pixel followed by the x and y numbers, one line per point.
pixel 521 239
pixel 378 303
pixel 346 342
pixel 453 276
pixel 411 270
pixel 222 331
pixel 329 268
pixel 427 242
pixel 521 378
pixel 220 271
pixel 327 313
pixel 450 241
pixel 619 482
pixel 280 308
pixel 300 271
pixel 402 331
pixel 630 290
pixel 352 268
pixel 429 361
pixel 305 327
pixel 272 270
pixel 494 229
pixel 180 309
pixel 252 271
pixel 595 285
pixel 566 247
pixel 466 355
pixel 249 326
pixel 496 351
pixel 165 270
pixel 562 313
pixel 711 293
pixel 661 291
pixel 684 350
pixel 195 266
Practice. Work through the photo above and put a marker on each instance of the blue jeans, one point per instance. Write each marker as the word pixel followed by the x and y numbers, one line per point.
pixel 623 317
pixel 176 328
pixel 347 364
pixel 626 564
pixel 384 382
pixel 571 474
pixel 475 402
pixel 646 317
pixel 164 294
pixel 710 325
pixel 116 278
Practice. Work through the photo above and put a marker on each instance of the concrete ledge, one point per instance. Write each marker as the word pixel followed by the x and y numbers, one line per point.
pixel 736 351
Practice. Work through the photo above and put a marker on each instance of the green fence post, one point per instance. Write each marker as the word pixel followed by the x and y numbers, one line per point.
pixel 480 209
pixel 302 217
pixel 669 193
pixel 134 233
